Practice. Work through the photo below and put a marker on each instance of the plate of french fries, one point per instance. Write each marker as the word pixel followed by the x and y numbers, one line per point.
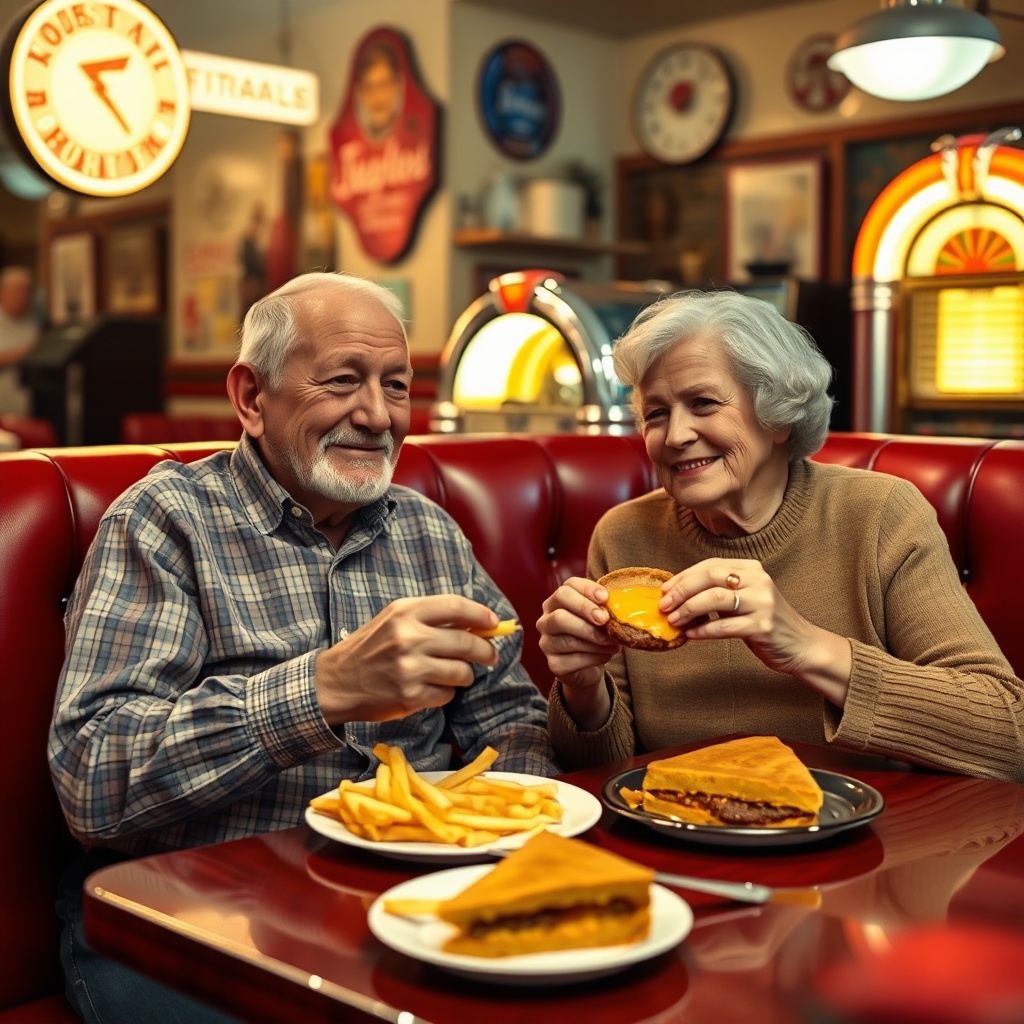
pixel 444 816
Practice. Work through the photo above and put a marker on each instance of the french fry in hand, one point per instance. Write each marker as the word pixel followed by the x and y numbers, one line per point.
pixel 465 808
pixel 504 628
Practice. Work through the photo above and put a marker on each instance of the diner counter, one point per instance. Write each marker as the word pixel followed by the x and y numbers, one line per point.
pixel 920 916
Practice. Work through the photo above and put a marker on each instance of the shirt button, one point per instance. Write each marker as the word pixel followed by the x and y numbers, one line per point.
pixel 296 511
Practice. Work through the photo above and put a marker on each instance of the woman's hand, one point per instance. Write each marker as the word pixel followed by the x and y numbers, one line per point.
pixel 720 598
pixel 577 648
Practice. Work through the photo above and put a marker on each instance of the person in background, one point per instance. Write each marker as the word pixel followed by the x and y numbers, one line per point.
pixel 252 283
pixel 19 333
pixel 820 602
pixel 246 628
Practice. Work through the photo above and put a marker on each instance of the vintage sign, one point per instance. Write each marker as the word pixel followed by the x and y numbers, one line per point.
pixel 244 88
pixel 519 101
pixel 384 146
pixel 812 84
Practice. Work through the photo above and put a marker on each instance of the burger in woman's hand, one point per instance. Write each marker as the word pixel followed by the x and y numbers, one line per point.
pixel 634 618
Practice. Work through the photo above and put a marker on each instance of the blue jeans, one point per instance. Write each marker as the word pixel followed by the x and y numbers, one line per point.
pixel 102 991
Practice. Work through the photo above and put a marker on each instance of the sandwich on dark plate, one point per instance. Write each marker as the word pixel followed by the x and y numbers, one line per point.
pixel 756 781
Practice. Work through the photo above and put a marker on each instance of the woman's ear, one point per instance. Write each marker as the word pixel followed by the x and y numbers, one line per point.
pixel 245 389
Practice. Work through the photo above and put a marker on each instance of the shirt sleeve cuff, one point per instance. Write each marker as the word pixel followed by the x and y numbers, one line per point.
pixel 285 715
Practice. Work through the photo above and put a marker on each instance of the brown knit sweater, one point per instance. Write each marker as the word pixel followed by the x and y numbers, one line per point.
pixel 858 553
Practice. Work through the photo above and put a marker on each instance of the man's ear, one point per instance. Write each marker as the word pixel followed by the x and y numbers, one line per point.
pixel 245 389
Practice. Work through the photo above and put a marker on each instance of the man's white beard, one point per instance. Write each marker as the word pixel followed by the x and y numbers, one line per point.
pixel 324 478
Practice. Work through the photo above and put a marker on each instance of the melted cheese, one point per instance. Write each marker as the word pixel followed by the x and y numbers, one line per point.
pixel 638 607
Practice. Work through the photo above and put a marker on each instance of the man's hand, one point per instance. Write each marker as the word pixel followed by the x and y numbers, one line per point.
pixel 412 655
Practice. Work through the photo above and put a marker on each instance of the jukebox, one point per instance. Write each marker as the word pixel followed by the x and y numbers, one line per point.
pixel 533 355
pixel 938 295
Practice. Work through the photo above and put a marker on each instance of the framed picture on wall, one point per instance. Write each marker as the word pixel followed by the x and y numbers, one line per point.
pixel 72 277
pixel 773 219
pixel 134 270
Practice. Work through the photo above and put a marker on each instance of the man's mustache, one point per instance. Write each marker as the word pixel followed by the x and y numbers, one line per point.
pixel 358 439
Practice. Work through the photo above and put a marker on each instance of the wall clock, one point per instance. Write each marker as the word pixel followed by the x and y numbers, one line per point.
pixel 99 94
pixel 684 103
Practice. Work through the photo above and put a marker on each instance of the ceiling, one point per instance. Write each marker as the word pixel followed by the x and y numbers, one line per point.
pixel 620 18
pixel 617 18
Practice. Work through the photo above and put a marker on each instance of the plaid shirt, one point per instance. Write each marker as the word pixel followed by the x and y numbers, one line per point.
pixel 187 710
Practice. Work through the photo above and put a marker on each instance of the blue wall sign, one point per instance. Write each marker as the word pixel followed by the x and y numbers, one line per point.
pixel 520 105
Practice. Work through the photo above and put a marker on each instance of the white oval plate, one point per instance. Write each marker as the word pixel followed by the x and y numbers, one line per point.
pixel 423 937
pixel 581 810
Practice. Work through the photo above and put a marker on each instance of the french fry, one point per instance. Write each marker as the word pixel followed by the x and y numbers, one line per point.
pixel 473 839
pixel 466 808
pixel 504 628
pixel 479 764
pixel 552 808
pixel 407 834
pixel 401 793
pixel 325 804
pixel 366 809
pixel 496 824
pixel 472 801
pixel 431 795
pixel 412 907
pixel 382 783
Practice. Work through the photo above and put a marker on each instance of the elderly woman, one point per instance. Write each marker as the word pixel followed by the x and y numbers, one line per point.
pixel 838 612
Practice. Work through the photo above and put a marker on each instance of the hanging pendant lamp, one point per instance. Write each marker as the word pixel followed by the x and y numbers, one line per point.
pixel 916 49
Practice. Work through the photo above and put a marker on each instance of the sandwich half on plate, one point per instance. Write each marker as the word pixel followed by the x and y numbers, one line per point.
pixel 552 893
pixel 756 782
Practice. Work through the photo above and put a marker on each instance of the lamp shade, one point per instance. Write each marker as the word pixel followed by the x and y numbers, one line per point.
pixel 916 50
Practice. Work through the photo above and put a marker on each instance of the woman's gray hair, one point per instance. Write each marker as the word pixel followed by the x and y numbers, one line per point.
pixel 776 361
pixel 269 329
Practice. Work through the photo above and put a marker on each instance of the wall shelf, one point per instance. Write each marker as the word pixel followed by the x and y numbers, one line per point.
pixel 493 238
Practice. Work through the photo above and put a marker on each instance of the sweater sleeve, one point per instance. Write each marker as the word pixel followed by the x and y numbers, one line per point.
pixel 941 693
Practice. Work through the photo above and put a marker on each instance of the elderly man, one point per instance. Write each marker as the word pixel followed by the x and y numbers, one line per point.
pixel 246 628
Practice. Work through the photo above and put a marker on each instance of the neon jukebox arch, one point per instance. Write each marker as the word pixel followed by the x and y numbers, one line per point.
pixel 938 294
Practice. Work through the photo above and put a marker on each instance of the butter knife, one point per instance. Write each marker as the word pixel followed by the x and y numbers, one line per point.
pixel 743 892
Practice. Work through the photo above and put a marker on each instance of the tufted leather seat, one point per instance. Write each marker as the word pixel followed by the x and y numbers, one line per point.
pixel 528 504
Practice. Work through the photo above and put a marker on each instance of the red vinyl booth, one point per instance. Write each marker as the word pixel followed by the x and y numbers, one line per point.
pixel 528 504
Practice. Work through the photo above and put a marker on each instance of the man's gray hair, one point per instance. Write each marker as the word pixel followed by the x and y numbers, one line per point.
pixel 269 329
pixel 776 361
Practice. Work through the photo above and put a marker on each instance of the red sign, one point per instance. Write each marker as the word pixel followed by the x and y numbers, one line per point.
pixel 384 146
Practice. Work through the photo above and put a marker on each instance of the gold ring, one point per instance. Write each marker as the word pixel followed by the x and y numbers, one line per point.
pixel 736 602
pixel 732 581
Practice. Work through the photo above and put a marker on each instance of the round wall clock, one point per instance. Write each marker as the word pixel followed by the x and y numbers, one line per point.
pixel 99 94
pixel 684 102
pixel 811 82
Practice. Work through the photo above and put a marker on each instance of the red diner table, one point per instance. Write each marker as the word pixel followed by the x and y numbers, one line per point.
pixel 920 918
